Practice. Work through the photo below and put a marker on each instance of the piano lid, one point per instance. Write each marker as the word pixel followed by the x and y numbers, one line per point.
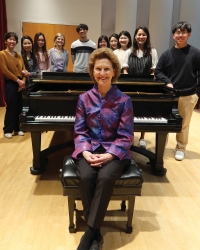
pixel 77 78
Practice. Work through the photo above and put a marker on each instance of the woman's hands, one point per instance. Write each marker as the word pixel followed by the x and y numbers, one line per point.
pixel 97 160
pixel 21 84
pixel 25 73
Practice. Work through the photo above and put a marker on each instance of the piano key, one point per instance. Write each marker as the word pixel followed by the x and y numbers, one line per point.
pixel 150 120
pixel 58 118
pixel 47 118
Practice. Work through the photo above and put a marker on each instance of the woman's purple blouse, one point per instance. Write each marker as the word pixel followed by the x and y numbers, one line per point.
pixel 107 122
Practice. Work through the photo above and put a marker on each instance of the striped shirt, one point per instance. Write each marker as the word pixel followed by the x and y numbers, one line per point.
pixel 80 52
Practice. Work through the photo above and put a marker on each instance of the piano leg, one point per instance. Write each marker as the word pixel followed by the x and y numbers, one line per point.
pixel 38 166
pixel 156 159
pixel 159 153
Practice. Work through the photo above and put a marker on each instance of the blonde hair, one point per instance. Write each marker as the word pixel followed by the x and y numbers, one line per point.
pixel 56 36
pixel 103 53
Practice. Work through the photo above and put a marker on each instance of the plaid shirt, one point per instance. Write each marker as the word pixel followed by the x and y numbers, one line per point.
pixel 107 122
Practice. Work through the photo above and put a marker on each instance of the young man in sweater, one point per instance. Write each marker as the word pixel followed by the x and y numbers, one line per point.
pixel 81 49
pixel 179 68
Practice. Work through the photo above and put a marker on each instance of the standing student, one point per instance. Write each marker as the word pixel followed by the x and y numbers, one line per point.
pixel 28 55
pixel 141 60
pixel 58 55
pixel 114 41
pixel 125 43
pixel 103 42
pixel 11 66
pixel 81 49
pixel 103 136
pixel 179 68
pixel 41 52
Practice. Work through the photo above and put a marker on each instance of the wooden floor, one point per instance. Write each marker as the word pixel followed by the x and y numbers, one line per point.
pixel 34 213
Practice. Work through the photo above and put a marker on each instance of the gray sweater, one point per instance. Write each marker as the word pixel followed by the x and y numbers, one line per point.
pixel 54 66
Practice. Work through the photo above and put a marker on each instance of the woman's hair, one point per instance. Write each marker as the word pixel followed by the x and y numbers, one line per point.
pixel 23 52
pixel 103 53
pixel 56 36
pixel 147 44
pixel 182 26
pixel 36 48
pixel 117 37
pixel 9 35
pixel 105 38
pixel 126 33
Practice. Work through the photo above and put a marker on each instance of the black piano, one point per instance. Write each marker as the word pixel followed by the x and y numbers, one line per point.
pixel 49 104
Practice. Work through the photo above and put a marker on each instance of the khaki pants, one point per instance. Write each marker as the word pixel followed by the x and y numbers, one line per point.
pixel 186 106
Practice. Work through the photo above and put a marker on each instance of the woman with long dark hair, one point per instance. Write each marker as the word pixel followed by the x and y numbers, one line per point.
pixel 28 55
pixel 141 60
pixel 41 52
pixel 114 41
pixel 125 43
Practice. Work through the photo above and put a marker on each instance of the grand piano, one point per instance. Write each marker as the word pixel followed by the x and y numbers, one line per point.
pixel 49 104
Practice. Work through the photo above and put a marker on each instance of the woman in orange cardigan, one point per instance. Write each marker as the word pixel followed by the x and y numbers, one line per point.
pixel 13 70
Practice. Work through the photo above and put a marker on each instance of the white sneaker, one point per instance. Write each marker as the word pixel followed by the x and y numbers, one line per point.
pixel 142 143
pixel 179 155
pixel 8 135
pixel 18 133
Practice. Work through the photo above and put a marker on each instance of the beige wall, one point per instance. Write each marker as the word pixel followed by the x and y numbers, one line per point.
pixel 71 12
pixel 110 16
pixel 126 13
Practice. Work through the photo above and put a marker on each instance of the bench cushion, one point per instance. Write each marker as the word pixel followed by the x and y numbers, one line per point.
pixel 132 175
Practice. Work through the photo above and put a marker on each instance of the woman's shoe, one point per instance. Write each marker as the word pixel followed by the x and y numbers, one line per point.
pixel 142 143
pixel 18 133
pixel 97 245
pixel 8 135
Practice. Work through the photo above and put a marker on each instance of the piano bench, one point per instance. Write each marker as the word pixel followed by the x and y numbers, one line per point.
pixel 126 188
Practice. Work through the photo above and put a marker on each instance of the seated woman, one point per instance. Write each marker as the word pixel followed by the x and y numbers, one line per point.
pixel 58 55
pixel 103 134
pixel 103 42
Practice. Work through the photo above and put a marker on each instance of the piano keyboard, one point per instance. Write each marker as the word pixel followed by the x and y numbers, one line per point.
pixel 72 119
pixel 56 118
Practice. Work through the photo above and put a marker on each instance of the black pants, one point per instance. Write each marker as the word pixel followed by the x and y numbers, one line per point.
pixel 13 107
pixel 96 188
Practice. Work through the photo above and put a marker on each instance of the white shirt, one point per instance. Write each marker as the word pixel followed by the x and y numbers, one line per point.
pixel 139 55
pixel 120 53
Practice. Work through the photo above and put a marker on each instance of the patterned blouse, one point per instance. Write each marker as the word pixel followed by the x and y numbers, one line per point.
pixel 104 122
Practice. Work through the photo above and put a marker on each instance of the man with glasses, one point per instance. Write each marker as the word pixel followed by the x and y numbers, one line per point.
pixel 81 49
pixel 179 68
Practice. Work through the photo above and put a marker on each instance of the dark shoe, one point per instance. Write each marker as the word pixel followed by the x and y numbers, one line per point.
pixel 97 245
pixel 80 247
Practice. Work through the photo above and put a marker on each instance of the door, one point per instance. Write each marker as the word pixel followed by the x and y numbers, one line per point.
pixel 50 30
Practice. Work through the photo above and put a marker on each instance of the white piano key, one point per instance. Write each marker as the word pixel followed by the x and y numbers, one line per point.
pixel 58 118
pixel 150 120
